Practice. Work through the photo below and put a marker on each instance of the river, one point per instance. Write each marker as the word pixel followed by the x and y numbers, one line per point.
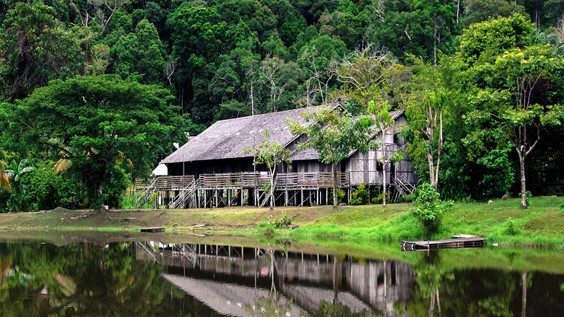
pixel 149 278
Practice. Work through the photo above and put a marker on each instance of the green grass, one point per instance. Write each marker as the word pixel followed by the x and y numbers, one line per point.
pixel 501 221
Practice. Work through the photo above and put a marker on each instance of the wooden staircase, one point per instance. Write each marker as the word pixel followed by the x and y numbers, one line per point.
pixel 186 197
pixel 401 188
pixel 146 192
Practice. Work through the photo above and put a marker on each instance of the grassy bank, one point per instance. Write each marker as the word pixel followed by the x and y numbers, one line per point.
pixel 501 222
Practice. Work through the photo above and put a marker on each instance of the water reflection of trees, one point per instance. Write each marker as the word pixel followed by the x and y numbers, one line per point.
pixel 79 279
pixel 443 291
pixel 90 280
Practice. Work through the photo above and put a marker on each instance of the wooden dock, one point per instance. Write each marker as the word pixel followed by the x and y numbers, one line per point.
pixel 462 241
pixel 153 229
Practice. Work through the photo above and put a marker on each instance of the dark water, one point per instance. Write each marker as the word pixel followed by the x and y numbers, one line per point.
pixel 151 279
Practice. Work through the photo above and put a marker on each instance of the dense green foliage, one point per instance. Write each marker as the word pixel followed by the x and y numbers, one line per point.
pixel 83 279
pixel 459 68
pixel 98 127
pixel 429 209
pixel 334 135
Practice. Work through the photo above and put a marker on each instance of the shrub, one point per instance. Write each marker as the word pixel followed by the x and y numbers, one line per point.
pixel 267 229
pixel 284 222
pixel 359 195
pixel 408 198
pixel 380 197
pixel 429 209
pixel 510 228
pixel 341 194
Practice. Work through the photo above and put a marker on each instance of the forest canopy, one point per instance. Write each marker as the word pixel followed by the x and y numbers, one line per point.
pixel 76 73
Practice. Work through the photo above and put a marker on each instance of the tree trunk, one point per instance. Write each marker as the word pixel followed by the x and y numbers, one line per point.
pixel 100 202
pixel 457 10
pixel 336 278
pixel 430 160
pixel 435 40
pixel 439 150
pixel 272 272
pixel 523 179
pixel 384 185
pixel 271 194
pixel 384 163
pixel 434 168
pixel 335 196
pixel 524 294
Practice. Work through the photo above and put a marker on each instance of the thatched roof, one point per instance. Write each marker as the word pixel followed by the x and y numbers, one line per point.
pixel 227 139
pixel 227 299
pixel 312 155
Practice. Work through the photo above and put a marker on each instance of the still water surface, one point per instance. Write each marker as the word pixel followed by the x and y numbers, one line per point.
pixel 152 279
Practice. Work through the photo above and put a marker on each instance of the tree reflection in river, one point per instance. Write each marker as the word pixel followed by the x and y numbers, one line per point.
pixel 78 280
pixel 126 279
pixel 444 291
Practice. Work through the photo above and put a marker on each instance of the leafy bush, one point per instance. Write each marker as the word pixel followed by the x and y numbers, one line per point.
pixel 429 209
pixel 510 228
pixel 284 222
pixel 267 229
pixel 380 197
pixel 359 195
pixel 408 198
pixel 341 194
pixel 36 186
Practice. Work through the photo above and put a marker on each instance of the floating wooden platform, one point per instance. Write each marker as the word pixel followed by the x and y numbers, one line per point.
pixel 462 241
pixel 157 229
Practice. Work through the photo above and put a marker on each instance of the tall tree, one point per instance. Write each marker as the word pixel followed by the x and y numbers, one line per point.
pixel 525 77
pixel 319 59
pixel 99 12
pixel 384 122
pixel 35 48
pixel 514 85
pixel 199 35
pixel 95 124
pixel 481 10
pixel 140 55
pixel 427 104
pixel 282 79
pixel 271 154
pixel 441 15
pixel 420 27
pixel 334 135
pixel 372 74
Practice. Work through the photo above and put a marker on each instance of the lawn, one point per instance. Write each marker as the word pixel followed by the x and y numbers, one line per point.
pixel 501 222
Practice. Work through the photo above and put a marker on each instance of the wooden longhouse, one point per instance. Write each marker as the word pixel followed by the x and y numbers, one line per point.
pixel 213 169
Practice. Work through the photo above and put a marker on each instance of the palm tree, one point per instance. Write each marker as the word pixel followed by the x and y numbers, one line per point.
pixel 4 180
pixel 17 174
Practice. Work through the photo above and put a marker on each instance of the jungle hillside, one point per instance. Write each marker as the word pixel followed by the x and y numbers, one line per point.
pixel 94 93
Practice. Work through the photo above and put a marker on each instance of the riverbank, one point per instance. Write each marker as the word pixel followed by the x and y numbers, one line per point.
pixel 502 222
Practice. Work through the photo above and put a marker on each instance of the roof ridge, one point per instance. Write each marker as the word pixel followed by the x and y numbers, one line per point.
pixel 265 114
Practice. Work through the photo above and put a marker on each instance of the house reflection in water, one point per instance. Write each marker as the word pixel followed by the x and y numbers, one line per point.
pixel 234 281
